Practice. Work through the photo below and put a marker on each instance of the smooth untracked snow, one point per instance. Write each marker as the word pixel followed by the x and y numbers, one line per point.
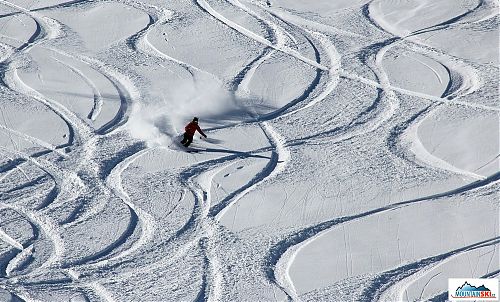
pixel 352 150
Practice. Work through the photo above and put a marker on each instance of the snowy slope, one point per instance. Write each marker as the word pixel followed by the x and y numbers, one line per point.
pixel 352 151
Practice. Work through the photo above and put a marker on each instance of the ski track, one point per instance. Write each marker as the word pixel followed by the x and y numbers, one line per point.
pixel 206 7
pixel 270 170
pixel 410 135
pixel 10 240
pixel 465 88
pixel 274 167
pixel 286 257
pixel 34 140
pixel 211 215
pixel 279 276
pixel 71 183
pixel 148 223
pixel 295 19
pixel 391 285
pixel 86 135
pixel 41 224
pixel 19 261
pixel 96 109
pixel 114 178
pixel 201 228
pixel 125 89
pixel 443 296
pixel 140 42
pixel 215 280
pixel 280 154
pixel 127 94
pixel 283 253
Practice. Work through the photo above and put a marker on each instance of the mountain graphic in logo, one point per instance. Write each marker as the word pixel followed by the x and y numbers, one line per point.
pixel 470 291
pixel 468 287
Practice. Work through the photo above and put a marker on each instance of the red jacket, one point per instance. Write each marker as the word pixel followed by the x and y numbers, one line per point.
pixel 191 129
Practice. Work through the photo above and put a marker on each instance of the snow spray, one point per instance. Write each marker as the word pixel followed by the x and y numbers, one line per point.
pixel 162 116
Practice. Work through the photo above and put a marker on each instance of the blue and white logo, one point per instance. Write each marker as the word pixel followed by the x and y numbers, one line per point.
pixel 467 289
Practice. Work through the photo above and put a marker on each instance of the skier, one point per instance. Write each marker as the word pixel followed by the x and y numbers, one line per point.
pixel 190 129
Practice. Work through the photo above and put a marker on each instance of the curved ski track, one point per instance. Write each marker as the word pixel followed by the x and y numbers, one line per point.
pixel 283 253
pixel 91 177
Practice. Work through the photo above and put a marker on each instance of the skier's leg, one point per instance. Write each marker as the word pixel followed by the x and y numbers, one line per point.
pixel 184 139
pixel 188 142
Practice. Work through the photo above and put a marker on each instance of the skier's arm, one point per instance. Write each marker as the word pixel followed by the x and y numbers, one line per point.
pixel 201 132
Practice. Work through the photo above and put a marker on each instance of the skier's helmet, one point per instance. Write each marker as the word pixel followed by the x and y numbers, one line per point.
pixel 195 119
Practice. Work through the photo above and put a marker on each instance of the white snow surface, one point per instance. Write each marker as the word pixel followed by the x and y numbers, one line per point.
pixel 352 151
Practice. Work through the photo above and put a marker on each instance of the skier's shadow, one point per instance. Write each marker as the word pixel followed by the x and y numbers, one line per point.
pixel 240 153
